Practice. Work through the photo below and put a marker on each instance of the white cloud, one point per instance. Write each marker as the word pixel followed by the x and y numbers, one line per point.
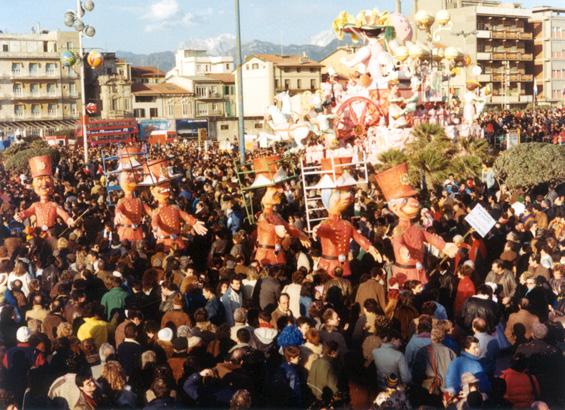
pixel 167 14
pixel 163 10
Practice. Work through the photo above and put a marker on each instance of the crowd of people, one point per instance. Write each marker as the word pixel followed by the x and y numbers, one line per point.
pixel 88 321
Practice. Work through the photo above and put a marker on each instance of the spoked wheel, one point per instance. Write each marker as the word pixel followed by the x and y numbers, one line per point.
pixel 354 117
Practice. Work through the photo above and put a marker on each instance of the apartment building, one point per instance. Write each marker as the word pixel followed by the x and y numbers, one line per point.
pixel 214 95
pixel 499 38
pixel 163 101
pixel 37 93
pixel 335 61
pixel 109 87
pixel 549 53
pixel 265 75
pixel 147 75
pixel 197 63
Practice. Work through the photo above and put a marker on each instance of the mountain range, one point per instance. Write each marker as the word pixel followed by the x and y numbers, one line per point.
pixel 224 44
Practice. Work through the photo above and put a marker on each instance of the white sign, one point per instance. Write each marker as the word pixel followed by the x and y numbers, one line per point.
pixel 480 220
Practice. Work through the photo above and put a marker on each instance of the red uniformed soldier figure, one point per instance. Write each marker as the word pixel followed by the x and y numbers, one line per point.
pixel 167 219
pixel 129 210
pixel 334 233
pixel 408 239
pixel 272 229
pixel 45 211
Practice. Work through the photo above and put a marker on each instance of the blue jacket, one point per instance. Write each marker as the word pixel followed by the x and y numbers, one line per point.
pixel 463 364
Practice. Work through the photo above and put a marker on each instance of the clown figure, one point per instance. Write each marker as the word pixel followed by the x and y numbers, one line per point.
pixel 272 229
pixel 129 210
pixel 335 233
pixel 408 239
pixel 167 219
pixel 45 211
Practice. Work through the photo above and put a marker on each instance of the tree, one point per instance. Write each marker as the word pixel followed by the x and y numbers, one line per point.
pixel 15 157
pixel 530 164
pixel 432 155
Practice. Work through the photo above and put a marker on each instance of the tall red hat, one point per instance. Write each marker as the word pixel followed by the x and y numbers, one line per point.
pixel 394 183
pixel 267 172
pixel 157 172
pixel 127 159
pixel 336 173
pixel 40 166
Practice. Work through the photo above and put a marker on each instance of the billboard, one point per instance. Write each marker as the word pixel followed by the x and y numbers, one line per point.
pixel 147 126
pixel 188 128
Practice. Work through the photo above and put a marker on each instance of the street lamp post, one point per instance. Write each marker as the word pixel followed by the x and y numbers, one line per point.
pixel 239 67
pixel 74 19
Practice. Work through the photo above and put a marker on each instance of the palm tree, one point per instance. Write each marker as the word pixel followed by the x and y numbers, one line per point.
pixel 390 158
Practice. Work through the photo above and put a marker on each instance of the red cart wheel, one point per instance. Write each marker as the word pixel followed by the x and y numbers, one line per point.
pixel 354 116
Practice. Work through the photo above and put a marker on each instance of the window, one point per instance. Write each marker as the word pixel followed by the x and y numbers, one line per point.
pixel 45 46
pixel 72 89
pixel 34 89
pixel 201 91
pixel 139 113
pixel 52 110
pixel 312 84
pixel 73 109
pixel 171 107
pixel 227 66
pixel 224 127
pixel 201 109
pixel 36 110
pixel 254 66
pixel 153 112
pixel 17 89
pixel 33 68
pixel 50 68
pixel 185 108
pixel 70 45
pixel 299 84
pixel 298 69
pixel 5 48
pixel 19 110
pixel 258 125
pixel 16 68
pixel 144 98
pixel 51 88
pixel 286 84
pixel 277 83
pixel 115 104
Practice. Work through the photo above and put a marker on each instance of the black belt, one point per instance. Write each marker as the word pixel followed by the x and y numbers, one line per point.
pixel 266 246
pixel 398 265
pixel 331 258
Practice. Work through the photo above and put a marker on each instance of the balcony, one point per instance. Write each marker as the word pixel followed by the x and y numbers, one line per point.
pixel 483 34
pixel 210 96
pixel 26 75
pixel 36 96
pixel 20 55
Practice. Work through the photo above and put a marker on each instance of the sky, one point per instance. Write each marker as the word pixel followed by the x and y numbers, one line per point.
pixel 144 26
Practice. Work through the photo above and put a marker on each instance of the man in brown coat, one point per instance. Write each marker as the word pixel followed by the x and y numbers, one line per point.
pixel 133 316
pixel 373 288
pixel 523 316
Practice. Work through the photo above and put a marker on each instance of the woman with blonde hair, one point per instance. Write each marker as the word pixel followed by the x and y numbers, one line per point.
pixel 114 388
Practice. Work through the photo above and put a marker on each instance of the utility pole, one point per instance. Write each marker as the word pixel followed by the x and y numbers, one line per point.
pixel 398 7
pixel 239 66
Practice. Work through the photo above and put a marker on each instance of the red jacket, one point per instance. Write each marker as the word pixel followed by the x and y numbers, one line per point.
pixel 465 289
pixel 520 388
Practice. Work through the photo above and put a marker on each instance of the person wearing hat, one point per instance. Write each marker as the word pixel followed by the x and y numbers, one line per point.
pixel 334 233
pixel 129 210
pixel 272 229
pixel 166 219
pixel 45 211
pixel 408 239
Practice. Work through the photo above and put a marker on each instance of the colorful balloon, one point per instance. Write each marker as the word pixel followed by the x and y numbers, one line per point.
pixel 95 59
pixel 68 58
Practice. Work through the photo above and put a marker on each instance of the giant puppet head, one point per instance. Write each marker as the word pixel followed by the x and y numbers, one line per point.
pixel 41 169
pixel 269 175
pixel 336 184
pixel 129 169
pixel 158 175
pixel 398 192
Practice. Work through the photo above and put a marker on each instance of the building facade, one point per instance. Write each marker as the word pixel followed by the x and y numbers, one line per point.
pixel 147 75
pixel 109 87
pixel 549 53
pixel 163 101
pixel 499 38
pixel 196 63
pixel 37 93
pixel 265 75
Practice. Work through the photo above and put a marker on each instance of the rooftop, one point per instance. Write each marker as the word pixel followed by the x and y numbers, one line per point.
pixel 158 89
pixel 146 71
pixel 283 60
